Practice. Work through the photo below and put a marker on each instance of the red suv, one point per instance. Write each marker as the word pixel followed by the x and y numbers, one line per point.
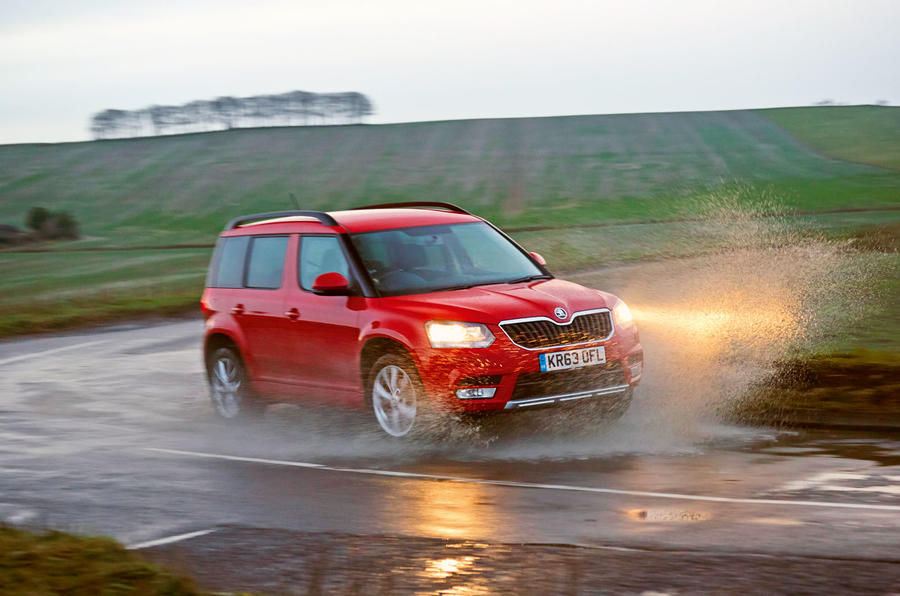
pixel 400 306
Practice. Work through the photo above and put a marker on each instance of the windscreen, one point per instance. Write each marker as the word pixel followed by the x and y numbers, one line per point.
pixel 443 257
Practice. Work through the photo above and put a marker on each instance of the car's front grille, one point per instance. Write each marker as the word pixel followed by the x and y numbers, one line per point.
pixel 540 384
pixel 544 333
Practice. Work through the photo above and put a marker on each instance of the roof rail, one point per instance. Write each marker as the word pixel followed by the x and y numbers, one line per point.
pixel 319 215
pixel 438 204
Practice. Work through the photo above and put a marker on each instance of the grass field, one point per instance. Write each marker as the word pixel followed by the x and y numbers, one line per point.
pixel 164 190
pixel 518 172
pixel 862 134
pixel 48 291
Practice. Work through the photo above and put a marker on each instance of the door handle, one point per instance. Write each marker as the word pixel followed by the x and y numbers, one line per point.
pixel 292 314
pixel 238 309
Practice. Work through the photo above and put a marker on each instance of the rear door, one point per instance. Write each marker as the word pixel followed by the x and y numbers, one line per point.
pixel 259 311
pixel 324 338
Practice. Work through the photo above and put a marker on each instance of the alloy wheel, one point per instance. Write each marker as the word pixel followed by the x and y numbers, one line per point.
pixel 394 400
pixel 226 381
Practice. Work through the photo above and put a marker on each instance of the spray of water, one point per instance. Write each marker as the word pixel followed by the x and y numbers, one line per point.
pixel 714 325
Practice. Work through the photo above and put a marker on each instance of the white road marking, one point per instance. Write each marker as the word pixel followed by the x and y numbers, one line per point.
pixel 816 480
pixel 52 351
pixel 510 483
pixel 831 481
pixel 170 539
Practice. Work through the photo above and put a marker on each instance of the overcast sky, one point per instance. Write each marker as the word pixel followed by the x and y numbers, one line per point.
pixel 63 60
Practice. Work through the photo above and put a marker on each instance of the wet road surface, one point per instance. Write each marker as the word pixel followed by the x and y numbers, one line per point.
pixel 110 432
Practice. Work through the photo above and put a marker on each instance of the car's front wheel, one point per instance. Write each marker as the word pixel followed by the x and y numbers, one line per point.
pixel 396 394
pixel 229 388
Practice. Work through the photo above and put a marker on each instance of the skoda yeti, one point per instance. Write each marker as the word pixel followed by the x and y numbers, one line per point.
pixel 401 306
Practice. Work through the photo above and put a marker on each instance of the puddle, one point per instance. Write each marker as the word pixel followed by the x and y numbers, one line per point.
pixel 884 451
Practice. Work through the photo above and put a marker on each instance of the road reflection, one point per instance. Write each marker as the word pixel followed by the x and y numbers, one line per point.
pixel 444 568
pixel 460 576
pixel 451 510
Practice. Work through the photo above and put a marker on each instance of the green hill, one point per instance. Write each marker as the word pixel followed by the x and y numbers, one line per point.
pixel 863 134
pixel 173 189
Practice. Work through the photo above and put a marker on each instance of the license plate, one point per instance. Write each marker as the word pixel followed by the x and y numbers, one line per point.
pixel 573 358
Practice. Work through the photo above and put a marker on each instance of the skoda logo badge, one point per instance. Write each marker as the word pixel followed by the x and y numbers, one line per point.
pixel 560 313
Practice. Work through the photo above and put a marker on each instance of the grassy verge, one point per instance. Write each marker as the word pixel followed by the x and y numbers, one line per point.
pixel 59 563
pixel 59 290
pixel 856 387
pixel 851 375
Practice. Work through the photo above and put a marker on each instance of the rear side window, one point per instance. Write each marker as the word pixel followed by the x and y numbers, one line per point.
pixel 266 263
pixel 227 270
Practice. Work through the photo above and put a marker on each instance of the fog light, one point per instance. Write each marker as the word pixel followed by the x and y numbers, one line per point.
pixel 476 392
pixel 636 368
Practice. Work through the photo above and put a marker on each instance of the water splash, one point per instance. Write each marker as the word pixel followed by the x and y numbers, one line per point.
pixel 713 325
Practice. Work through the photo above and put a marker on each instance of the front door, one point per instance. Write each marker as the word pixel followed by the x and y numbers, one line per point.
pixel 324 337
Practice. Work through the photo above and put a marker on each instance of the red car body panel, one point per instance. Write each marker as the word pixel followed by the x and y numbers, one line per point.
pixel 300 345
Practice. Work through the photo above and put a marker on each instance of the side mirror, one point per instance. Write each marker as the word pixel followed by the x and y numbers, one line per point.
pixel 537 257
pixel 331 284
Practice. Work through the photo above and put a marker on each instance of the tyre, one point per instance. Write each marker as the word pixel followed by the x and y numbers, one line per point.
pixel 396 394
pixel 229 386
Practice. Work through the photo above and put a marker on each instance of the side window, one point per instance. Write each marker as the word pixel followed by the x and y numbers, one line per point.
pixel 266 264
pixel 227 270
pixel 318 255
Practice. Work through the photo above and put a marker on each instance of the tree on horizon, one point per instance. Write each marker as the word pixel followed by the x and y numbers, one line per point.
pixel 294 108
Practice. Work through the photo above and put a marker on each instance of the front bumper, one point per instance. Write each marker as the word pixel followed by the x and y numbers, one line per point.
pixel 516 375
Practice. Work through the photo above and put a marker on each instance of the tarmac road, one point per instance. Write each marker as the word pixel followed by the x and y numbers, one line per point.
pixel 110 432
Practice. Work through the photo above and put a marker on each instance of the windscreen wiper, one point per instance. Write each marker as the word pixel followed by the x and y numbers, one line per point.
pixel 460 287
pixel 529 278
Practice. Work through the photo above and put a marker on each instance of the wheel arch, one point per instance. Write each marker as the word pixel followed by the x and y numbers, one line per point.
pixel 373 349
pixel 217 340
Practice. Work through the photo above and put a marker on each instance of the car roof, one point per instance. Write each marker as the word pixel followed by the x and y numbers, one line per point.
pixel 354 221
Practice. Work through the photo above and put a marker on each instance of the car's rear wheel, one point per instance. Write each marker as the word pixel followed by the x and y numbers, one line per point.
pixel 396 394
pixel 229 388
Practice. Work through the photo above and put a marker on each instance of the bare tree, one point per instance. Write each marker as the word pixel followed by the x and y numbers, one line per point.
pixel 102 125
pixel 159 118
pixel 359 106
pixel 299 104
pixel 227 109
pixel 200 115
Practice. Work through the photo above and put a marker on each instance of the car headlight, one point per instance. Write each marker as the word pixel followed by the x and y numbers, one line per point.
pixel 454 334
pixel 622 314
